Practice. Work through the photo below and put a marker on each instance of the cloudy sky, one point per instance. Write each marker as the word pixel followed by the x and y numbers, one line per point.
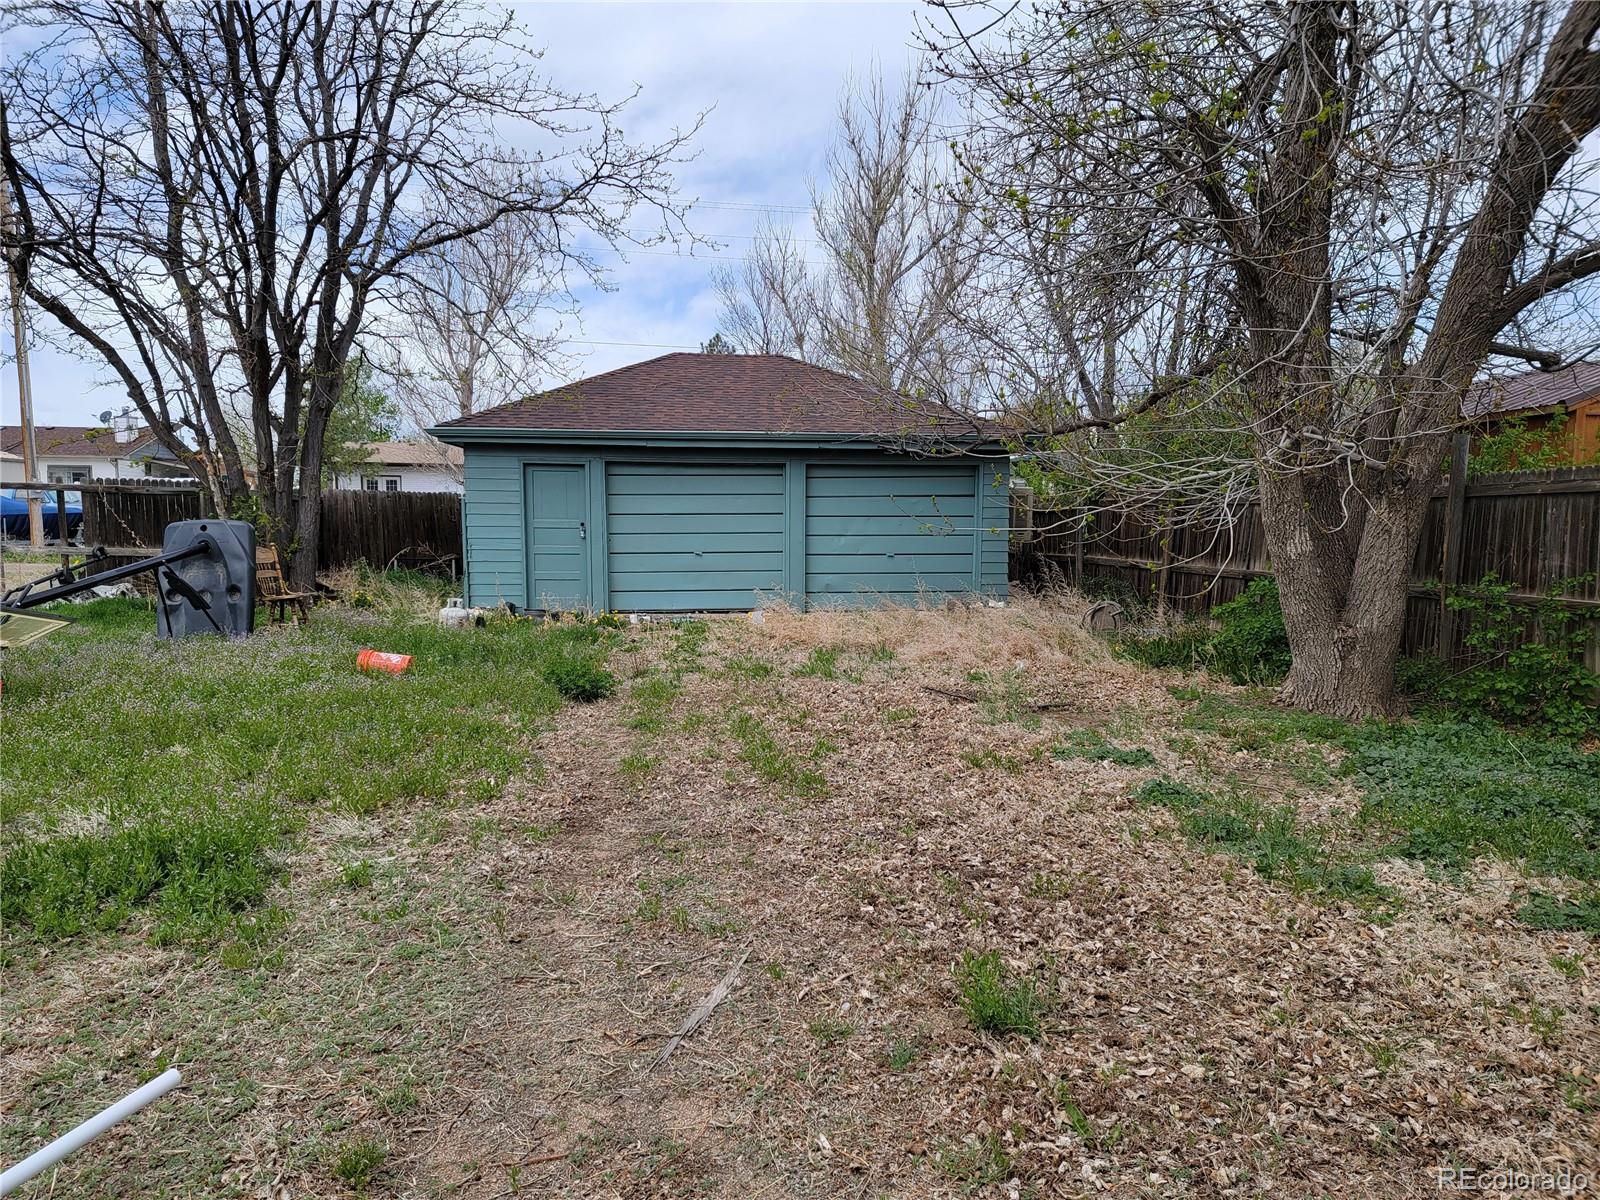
pixel 768 77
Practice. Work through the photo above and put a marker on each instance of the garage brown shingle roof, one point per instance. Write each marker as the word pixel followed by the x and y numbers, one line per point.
pixel 724 394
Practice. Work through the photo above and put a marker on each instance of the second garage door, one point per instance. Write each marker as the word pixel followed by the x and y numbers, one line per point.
pixel 693 537
pixel 896 532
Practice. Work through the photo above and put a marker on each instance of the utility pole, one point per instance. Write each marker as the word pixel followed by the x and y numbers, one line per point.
pixel 19 336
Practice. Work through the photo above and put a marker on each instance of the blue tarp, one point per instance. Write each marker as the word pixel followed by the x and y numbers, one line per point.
pixel 14 514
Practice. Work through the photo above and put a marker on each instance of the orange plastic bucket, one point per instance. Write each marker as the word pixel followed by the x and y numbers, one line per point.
pixel 379 660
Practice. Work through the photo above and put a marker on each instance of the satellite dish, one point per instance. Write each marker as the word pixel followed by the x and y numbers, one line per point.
pixel 105 417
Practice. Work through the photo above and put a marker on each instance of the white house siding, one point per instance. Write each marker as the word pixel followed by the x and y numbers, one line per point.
pixel 412 479
pixel 99 468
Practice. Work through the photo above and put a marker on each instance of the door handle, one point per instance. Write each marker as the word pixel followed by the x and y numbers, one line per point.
pixel 583 531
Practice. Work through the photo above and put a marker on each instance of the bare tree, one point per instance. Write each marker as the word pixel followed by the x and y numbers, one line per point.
pixel 889 235
pixel 1371 200
pixel 768 305
pixel 216 198
pixel 463 334
pixel 892 232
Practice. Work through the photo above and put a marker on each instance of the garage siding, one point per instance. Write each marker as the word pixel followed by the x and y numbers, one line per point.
pixel 889 533
pixel 693 536
pixel 680 536
pixel 994 522
pixel 493 539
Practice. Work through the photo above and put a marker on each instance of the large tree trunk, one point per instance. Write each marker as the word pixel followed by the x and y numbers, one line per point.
pixel 305 528
pixel 307 534
pixel 1344 602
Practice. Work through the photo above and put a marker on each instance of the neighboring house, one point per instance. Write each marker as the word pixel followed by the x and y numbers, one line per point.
pixel 161 463
pixel 704 482
pixel 1568 398
pixel 82 453
pixel 404 467
pixel 10 468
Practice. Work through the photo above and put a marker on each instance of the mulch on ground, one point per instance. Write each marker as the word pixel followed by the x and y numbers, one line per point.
pixel 1210 1033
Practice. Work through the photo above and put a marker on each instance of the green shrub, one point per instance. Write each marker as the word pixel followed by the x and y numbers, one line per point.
pixel 1183 648
pixel 1513 446
pixel 1116 589
pixel 994 1000
pixel 1541 684
pixel 1421 675
pixel 579 677
pixel 1250 645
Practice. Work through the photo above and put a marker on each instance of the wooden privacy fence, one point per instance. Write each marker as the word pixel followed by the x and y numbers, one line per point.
pixel 408 529
pixel 1532 529
pixel 137 514
pixel 413 529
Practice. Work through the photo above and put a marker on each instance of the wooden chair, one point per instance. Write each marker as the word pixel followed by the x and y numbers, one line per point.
pixel 273 591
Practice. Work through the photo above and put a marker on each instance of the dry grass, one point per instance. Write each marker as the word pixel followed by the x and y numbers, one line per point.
pixel 396 593
pixel 1027 633
pixel 487 1007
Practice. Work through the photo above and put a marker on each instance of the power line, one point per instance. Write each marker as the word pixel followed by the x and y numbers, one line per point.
pixel 642 345
pixel 743 237
pixel 741 206
pixel 630 250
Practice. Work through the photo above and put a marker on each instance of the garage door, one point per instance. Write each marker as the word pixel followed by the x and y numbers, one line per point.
pixel 690 537
pixel 890 531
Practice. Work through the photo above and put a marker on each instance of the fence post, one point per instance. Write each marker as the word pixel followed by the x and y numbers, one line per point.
pixel 1455 503
pixel 1079 517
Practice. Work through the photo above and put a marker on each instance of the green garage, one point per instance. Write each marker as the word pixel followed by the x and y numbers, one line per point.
pixel 714 482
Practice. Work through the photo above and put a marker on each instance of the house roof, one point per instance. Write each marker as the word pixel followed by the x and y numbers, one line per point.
pixel 762 394
pixel 1533 391
pixel 74 441
pixel 411 454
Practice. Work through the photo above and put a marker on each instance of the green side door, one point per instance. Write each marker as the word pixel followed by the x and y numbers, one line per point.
pixel 558 533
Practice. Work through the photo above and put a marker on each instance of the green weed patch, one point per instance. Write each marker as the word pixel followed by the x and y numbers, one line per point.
pixel 772 762
pixel 1580 914
pixel 1252 722
pixel 1248 644
pixel 1089 744
pixel 162 775
pixel 1271 838
pixel 997 1001
pixel 1453 790
pixel 197 874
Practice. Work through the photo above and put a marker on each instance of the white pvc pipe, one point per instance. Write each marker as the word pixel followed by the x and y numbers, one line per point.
pixel 47 1157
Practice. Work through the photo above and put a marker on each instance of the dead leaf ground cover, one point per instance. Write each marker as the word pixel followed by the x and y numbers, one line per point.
pixel 464 998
